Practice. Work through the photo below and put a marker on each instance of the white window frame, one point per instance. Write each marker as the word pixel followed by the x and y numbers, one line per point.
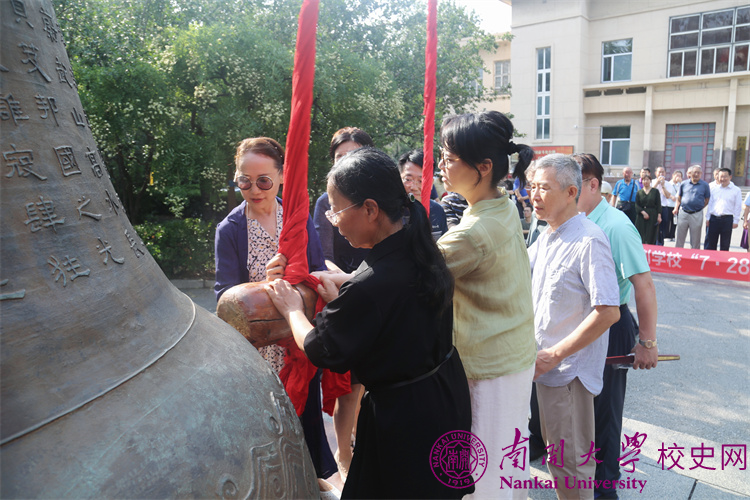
pixel 543 94
pixel 502 76
pixel 606 159
pixel 477 86
pixel 703 51
pixel 616 60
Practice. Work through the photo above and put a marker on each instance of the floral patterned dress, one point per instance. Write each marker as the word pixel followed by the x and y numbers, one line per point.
pixel 261 249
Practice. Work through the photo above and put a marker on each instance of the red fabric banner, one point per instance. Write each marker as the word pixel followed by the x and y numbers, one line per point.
pixel 705 263
pixel 298 371
pixel 430 88
pixel 293 239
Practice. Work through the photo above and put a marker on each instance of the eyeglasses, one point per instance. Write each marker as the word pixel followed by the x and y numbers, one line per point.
pixel 263 182
pixel 409 179
pixel 444 158
pixel 586 180
pixel 333 217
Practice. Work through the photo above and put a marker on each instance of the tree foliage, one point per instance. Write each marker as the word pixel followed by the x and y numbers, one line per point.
pixel 171 86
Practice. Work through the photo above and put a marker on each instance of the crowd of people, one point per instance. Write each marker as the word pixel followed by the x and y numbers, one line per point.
pixel 502 303
pixel 672 209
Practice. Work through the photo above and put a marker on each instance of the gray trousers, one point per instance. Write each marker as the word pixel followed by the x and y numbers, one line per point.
pixel 693 222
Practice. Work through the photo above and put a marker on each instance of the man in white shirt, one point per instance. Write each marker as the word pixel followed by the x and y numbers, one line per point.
pixel 723 212
pixel 668 192
pixel 576 300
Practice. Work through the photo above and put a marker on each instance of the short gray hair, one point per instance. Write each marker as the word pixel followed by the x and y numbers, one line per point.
pixel 567 170
pixel 693 167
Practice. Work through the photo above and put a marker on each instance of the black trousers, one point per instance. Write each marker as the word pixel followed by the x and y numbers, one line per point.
pixel 315 433
pixel 719 227
pixel 667 226
pixel 609 404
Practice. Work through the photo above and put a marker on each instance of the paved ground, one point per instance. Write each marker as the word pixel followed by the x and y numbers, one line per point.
pixel 703 400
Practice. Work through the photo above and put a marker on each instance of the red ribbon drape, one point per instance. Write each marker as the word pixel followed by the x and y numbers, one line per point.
pixel 293 239
pixel 430 89
pixel 298 371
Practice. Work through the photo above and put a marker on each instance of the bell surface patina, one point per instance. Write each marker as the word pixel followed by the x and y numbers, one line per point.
pixel 113 383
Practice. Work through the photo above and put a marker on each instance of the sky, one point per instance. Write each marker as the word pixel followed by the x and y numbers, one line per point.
pixel 494 14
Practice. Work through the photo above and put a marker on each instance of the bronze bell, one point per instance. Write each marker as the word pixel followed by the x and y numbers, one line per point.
pixel 113 383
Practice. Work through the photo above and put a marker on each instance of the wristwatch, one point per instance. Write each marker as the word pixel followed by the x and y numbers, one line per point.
pixel 648 344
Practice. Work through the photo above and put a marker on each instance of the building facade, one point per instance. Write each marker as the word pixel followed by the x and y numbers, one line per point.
pixel 660 82
pixel 495 76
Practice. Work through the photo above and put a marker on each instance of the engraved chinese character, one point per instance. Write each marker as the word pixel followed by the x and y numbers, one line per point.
pixel 62 72
pixel 10 109
pixel 106 249
pixel 663 455
pixel 47 104
pixel 555 455
pixel 701 453
pixel 517 451
pixel 133 245
pixel 79 118
pixel 19 9
pixel 83 202
pixel 42 214
pixel 57 271
pixel 51 29
pixel 18 294
pixel 735 454
pixel 72 266
pixel 20 162
pixel 91 155
pixel 67 160
pixel 30 51
pixel 69 265
pixel 112 202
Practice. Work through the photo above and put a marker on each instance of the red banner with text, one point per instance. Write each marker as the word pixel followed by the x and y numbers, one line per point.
pixel 540 151
pixel 706 263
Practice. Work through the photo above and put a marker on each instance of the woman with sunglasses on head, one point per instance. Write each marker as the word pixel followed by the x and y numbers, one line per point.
pixel 247 241
pixel 493 321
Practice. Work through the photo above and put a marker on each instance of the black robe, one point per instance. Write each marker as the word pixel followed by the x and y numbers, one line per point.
pixel 380 330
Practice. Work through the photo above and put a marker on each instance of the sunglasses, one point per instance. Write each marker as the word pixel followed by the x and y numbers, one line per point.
pixel 263 182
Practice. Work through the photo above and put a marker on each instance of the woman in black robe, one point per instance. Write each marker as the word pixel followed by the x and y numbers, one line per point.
pixel 390 323
pixel 648 211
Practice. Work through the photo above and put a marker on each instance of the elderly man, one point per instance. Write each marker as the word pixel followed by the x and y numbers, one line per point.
pixel 576 300
pixel 723 212
pixel 633 273
pixel 623 195
pixel 692 197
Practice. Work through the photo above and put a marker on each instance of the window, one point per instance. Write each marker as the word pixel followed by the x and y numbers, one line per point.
pixel 709 43
pixel 502 77
pixel 543 75
pixel 617 58
pixel 615 146
pixel 476 85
